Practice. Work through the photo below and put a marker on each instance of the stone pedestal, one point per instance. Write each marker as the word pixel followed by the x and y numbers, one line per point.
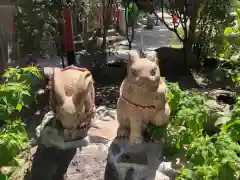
pixel 52 136
pixel 136 162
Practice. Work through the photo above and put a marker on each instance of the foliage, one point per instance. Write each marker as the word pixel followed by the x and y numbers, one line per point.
pixel 188 116
pixel 213 17
pixel 231 47
pixel 37 20
pixel 216 157
pixel 231 123
pixel 208 158
pixel 132 13
pixel 15 95
pixel 212 158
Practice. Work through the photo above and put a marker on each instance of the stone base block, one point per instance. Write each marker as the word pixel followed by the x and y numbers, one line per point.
pixel 138 162
pixel 52 137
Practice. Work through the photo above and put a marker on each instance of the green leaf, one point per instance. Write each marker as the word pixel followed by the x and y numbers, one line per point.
pixel 228 31
pixel 222 120
pixel 3 177
pixel 235 58
pixel 19 107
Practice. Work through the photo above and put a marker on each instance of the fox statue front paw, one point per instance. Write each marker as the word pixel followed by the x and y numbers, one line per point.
pixel 135 139
pixel 122 133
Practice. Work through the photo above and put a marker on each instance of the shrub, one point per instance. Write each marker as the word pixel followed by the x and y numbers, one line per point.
pixel 15 94
pixel 208 157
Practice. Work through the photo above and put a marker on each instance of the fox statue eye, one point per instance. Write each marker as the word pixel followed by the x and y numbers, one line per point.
pixel 153 72
pixel 134 72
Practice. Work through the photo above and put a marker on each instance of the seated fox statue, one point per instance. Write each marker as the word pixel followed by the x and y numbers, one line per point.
pixel 143 97
pixel 73 97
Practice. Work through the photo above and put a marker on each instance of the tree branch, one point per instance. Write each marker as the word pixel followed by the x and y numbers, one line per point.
pixel 165 23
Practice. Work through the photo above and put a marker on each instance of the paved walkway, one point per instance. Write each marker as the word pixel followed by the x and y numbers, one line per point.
pixel 144 39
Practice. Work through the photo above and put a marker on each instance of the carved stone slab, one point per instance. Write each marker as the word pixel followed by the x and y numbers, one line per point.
pixel 52 137
pixel 102 130
pixel 136 162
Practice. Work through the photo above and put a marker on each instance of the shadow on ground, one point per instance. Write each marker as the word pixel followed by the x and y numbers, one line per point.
pixel 107 84
pixel 50 163
pixel 37 109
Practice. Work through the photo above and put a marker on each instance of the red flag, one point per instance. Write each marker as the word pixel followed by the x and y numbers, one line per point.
pixel 68 31
pixel 14 26
pixel 114 14
pixel 99 14
pixel 175 20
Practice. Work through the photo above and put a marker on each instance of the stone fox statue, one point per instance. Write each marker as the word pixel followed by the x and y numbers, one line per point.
pixel 73 96
pixel 143 97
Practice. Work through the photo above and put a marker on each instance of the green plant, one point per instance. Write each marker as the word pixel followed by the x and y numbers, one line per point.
pixel 208 158
pixel 213 17
pixel 14 139
pixel 188 116
pixel 212 158
pixel 231 123
pixel 231 47
pixel 22 74
pixel 15 94
pixel 37 20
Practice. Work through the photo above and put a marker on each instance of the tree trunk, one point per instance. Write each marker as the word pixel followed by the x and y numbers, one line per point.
pixel 3 53
pixel 189 37
pixel 187 49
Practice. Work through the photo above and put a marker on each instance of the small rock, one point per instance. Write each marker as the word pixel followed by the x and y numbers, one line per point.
pixel 150 21
pixel 216 111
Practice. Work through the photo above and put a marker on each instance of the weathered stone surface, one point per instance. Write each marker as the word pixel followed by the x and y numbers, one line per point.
pixel 89 163
pixel 139 161
pixel 81 163
pixel 74 164
pixel 101 158
pixel 51 137
pixel 102 130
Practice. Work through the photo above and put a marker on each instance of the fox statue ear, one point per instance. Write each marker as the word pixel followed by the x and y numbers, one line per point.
pixel 133 56
pixel 152 56
pixel 58 86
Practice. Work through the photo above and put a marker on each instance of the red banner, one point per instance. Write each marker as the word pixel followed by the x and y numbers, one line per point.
pixel 114 14
pixel 68 31
pixel 14 26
